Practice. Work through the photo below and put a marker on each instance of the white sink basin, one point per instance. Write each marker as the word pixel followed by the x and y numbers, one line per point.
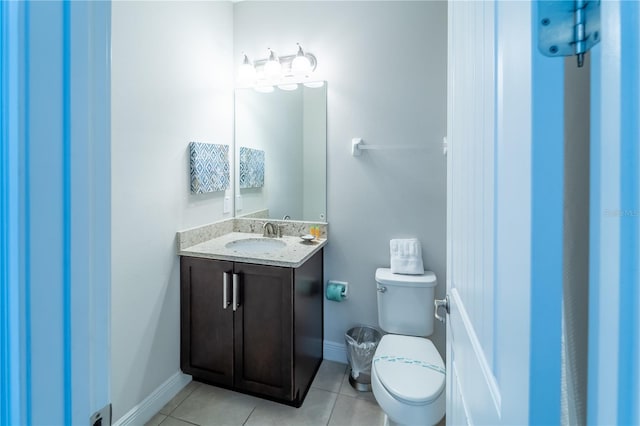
pixel 256 245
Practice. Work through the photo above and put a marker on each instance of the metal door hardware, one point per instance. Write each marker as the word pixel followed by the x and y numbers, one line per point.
pixel 568 27
pixel 441 303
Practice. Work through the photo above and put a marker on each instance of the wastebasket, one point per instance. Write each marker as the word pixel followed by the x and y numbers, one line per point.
pixel 361 346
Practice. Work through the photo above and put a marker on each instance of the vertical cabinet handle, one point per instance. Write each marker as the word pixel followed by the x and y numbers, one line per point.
pixel 226 283
pixel 236 291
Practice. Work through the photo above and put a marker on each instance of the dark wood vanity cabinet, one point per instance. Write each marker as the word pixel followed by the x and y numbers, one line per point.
pixel 271 343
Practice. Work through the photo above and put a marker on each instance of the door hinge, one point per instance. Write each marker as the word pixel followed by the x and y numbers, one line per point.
pixel 568 27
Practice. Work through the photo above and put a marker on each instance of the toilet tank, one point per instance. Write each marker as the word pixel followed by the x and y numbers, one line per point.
pixel 405 302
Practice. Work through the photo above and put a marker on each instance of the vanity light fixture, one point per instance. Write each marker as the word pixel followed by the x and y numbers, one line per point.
pixel 282 71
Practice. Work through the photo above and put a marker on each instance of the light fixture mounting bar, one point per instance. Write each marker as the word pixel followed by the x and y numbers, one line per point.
pixel 286 61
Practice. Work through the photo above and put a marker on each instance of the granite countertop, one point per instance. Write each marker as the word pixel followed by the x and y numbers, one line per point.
pixel 293 255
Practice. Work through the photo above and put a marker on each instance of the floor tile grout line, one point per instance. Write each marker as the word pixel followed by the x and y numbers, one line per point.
pixel 175 418
pixel 335 401
pixel 359 395
pixel 183 399
pixel 249 416
pixel 314 386
pixel 342 383
pixel 185 421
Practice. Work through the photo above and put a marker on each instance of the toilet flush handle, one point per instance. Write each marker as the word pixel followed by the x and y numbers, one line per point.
pixel 441 303
pixel 382 289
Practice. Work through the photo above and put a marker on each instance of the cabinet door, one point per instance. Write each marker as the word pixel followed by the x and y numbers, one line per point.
pixel 264 331
pixel 206 327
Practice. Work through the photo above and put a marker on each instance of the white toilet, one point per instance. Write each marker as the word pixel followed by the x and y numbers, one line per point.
pixel 407 372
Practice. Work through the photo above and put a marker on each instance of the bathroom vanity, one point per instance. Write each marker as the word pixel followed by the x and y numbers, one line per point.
pixel 252 318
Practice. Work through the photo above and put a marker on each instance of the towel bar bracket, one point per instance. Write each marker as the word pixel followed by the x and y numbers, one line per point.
pixel 356 145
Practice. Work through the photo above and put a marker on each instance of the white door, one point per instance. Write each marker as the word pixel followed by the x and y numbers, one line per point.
pixel 504 218
pixel 55 211
pixel 504 245
pixel 614 296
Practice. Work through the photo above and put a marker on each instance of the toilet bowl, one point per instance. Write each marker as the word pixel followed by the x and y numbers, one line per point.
pixel 407 372
pixel 408 380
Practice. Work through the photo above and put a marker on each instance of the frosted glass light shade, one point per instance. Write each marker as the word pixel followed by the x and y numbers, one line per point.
pixel 301 65
pixel 272 67
pixel 246 73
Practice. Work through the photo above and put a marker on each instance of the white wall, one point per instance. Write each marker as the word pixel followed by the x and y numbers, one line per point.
pixel 385 63
pixel 171 84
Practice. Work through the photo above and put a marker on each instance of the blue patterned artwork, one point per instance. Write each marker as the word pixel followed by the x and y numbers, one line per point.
pixel 251 168
pixel 209 167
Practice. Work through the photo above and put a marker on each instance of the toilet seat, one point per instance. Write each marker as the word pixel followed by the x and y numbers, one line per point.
pixel 409 368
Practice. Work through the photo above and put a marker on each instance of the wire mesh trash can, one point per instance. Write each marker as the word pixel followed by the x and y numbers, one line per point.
pixel 361 346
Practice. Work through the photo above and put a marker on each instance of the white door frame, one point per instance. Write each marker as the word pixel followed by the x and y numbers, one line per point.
pixel 614 294
pixel 10 385
pixel 56 199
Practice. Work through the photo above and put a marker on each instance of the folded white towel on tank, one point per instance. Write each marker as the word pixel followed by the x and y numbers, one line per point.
pixel 406 256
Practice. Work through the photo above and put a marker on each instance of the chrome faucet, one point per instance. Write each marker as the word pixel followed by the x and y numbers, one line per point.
pixel 269 230
pixel 286 217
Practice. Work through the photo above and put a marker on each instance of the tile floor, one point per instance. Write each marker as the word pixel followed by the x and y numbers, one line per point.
pixel 330 401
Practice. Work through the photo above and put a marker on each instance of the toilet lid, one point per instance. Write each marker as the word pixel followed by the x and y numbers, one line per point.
pixel 410 368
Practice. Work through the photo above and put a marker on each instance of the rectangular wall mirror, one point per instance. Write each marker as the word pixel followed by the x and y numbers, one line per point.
pixel 281 153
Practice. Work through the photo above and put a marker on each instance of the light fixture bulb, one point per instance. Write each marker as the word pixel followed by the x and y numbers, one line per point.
pixel 300 64
pixel 272 67
pixel 246 72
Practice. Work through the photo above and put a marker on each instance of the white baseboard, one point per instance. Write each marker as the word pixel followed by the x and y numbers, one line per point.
pixel 149 407
pixel 334 351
